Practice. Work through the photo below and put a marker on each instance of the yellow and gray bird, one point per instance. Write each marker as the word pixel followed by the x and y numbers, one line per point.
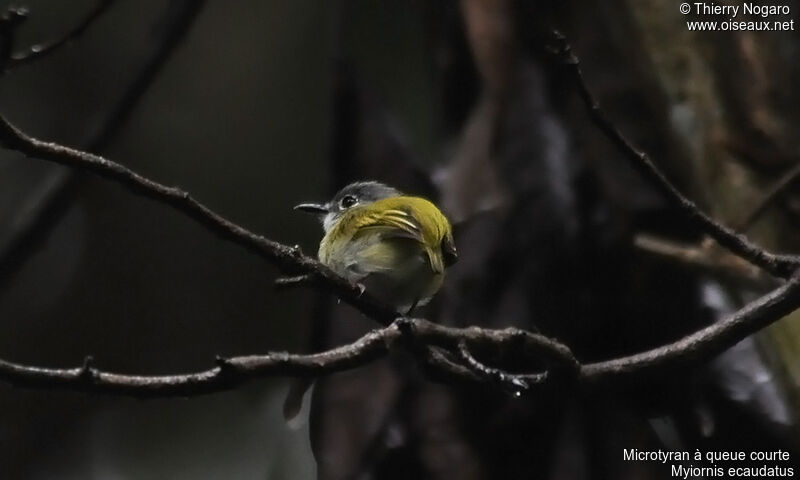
pixel 395 246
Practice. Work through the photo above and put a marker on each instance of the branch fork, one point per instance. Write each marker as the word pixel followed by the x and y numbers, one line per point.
pixel 446 352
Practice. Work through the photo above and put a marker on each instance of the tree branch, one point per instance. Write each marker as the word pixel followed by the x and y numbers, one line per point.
pixel 706 256
pixel 286 283
pixel 232 372
pixel 227 375
pixel 288 259
pixel 516 384
pixel 235 371
pixel 778 265
pixel 703 344
pixel 434 345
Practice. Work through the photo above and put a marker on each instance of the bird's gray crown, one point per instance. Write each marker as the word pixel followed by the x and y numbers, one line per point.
pixel 357 193
pixel 361 193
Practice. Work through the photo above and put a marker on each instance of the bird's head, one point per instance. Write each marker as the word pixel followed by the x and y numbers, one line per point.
pixel 355 194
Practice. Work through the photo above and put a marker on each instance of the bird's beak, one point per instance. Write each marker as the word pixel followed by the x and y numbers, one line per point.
pixel 316 208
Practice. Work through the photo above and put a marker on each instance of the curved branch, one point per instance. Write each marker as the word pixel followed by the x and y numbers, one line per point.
pixel 411 333
pixel 509 339
pixel 778 265
pixel 514 383
pixel 288 259
pixel 705 343
pixel 232 372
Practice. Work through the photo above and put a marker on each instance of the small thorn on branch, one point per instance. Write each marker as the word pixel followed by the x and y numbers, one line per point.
pixel 88 372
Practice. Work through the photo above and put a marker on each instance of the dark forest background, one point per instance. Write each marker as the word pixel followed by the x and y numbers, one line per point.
pixel 263 104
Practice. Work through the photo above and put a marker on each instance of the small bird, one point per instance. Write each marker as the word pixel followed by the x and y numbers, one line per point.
pixel 395 246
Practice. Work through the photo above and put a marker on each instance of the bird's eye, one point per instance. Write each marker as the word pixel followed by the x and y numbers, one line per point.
pixel 348 201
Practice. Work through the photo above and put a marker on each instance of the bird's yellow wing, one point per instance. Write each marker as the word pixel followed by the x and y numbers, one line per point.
pixel 412 218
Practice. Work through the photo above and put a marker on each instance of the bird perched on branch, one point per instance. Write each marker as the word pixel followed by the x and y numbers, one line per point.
pixel 395 246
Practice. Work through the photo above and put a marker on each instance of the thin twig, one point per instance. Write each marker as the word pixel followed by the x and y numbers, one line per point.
pixel 515 384
pixel 775 190
pixel 778 265
pixel 706 256
pixel 42 50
